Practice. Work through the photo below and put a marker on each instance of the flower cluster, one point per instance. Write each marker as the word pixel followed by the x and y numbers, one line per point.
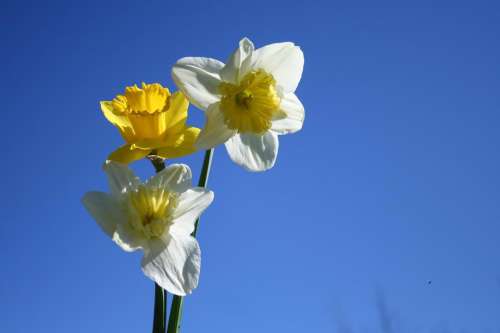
pixel 248 102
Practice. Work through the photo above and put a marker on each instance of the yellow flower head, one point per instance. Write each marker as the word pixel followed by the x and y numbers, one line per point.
pixel 151 120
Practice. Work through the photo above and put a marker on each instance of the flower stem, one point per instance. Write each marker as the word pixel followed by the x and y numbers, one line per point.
pixel 203 181
pixel 160 309
pixel 174 322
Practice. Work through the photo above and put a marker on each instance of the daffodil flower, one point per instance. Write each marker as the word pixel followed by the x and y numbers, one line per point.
pixel 249 101
pixel 151 120
pixel 158 217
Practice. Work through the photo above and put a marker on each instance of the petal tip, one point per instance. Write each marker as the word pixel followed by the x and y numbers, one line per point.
pixel 246 43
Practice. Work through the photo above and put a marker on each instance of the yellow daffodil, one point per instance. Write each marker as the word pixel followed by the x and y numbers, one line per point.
pixel 152 121
pixel 158 217
pixel 248 101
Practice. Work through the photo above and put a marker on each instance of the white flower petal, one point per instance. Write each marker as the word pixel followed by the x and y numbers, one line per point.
pixel 215 131
pixel 104 209
pixel 294 111
pixel 284 61
pixel 174 264
pixel 199 79
pixel 191 204
pixel 253 152
pixel 127 238
pixel 120 177
pixel 175 177
pixel 231 71
pixel 110 216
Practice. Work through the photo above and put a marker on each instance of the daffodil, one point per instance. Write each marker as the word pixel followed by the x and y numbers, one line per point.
pixel 249 100
pixel 158 217
pixel 152 121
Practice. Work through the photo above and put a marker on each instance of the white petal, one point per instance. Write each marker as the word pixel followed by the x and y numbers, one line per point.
pixel 284 61
pixel 199 80
pixel 215 131
pixel 294 111
pixel 110 216
pixel 174 265
pixel 191 204
pixel 231 72
pixel 104 209
pixel 175 177
pixel 120 178
pixel 127 238
pixel 253 152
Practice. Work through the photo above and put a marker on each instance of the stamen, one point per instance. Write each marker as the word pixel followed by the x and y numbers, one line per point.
pixel 244 98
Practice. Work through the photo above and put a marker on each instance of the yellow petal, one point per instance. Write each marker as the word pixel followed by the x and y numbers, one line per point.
pixel 183 145
pixel 128 154
pixel 122 122
pixel 177 112
pixel 149 144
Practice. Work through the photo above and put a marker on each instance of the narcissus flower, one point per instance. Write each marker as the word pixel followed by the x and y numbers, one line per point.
pixel 157 217
pixel 152 121
pixel 249 101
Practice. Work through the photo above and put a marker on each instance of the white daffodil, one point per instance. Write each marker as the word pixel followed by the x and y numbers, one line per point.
pixel 249 101
pixel 157 217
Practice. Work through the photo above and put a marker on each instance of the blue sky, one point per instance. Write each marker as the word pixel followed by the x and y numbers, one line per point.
pixel 392 182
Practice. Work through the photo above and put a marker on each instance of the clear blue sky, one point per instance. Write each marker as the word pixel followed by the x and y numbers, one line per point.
pixel 393 181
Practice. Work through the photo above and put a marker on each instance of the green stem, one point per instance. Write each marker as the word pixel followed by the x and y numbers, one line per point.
pixel 174 322
pixel 160 309
pixel 203 181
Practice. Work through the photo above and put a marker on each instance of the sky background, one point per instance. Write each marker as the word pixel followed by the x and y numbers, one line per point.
pixel 393 181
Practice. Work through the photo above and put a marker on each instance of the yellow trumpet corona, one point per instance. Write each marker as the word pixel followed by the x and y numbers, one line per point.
pixel 150 210
pixel 250 106
pixel 150 120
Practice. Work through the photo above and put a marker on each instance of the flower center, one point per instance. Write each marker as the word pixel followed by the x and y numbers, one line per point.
pixel 150 210
pixel 250 106
pixel 243 99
